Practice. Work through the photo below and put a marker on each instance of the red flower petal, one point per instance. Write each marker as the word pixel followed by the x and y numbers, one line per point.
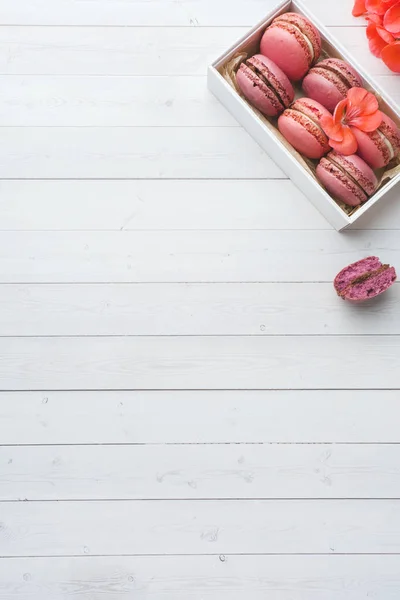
pixel 391 56
pixel 339 111
pixel 374 19
pixel 333 130
pixel 358 8
pixel 391 19
pixel 375 42
pixel 379 7
pixel 348 145
pixel 368 122
pixel 375 6
pixel 385 35
pixel 364 100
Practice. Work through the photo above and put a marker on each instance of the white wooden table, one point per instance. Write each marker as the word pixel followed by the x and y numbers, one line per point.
pixel 188 412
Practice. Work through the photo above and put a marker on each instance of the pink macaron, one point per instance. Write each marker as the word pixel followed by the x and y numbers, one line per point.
pixel 329 81
pixel 293 43
pixel 264 85
pixel 301 126
pixel 365 279
pixel 379 147
pixel 347 178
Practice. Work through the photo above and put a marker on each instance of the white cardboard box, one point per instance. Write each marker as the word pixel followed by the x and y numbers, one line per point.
pixel 270 141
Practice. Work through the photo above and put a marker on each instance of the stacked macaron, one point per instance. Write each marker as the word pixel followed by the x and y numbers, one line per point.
pixel 289 50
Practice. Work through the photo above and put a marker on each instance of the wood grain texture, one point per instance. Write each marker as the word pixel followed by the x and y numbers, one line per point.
pixel 188 256
pixel 222 577
pixel 125 153
pixel 139 50
pixel 200 363
pixel 158 12
pixel 199 472
pixel 196 417
pixel 192 204
pixel 143 204
pixel 191 309
pixel 120 101
pixel 113 50
pixel 200 527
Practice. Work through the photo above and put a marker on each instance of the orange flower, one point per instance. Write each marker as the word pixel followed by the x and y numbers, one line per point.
pixel 383 30
pixel 391 20
pixel 379 7
pixel 391 56
pixel 359 110
pixel 359 8
pixel 378 36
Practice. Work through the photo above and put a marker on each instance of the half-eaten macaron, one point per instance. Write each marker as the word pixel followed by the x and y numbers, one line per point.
pixel 364 279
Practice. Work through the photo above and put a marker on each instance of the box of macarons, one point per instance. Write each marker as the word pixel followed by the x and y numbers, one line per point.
pixel 320 117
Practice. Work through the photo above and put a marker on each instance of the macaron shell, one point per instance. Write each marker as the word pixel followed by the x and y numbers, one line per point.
pixel 343 69
pixel 312 109
pixel 276 77
pixel 339 185
pixel 358 169
pixel 347 275
pixel 257 92
pixel 376 285
pixel 300 126
pixel 286 47
pixel 306 27
pixel 328 92
pixel 329 81
pixel 372 147
pixel 302 134
pixel 389 128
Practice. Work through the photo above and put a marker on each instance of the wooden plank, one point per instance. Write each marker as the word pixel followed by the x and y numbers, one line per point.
pixel 204 417
pixel 154 204
pixel 158 12
pixel 203 577
pixel 132 153
pixel 113 50
pixel 199 472
pixel 133 205
pixel 213 362
pixel 200 527
pixel 190 309
pixel 70 101
pixel 187 256
pixel 224 577
pixel 139 50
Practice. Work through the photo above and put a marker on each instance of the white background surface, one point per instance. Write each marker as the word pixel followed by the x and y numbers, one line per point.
pixel 188 412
